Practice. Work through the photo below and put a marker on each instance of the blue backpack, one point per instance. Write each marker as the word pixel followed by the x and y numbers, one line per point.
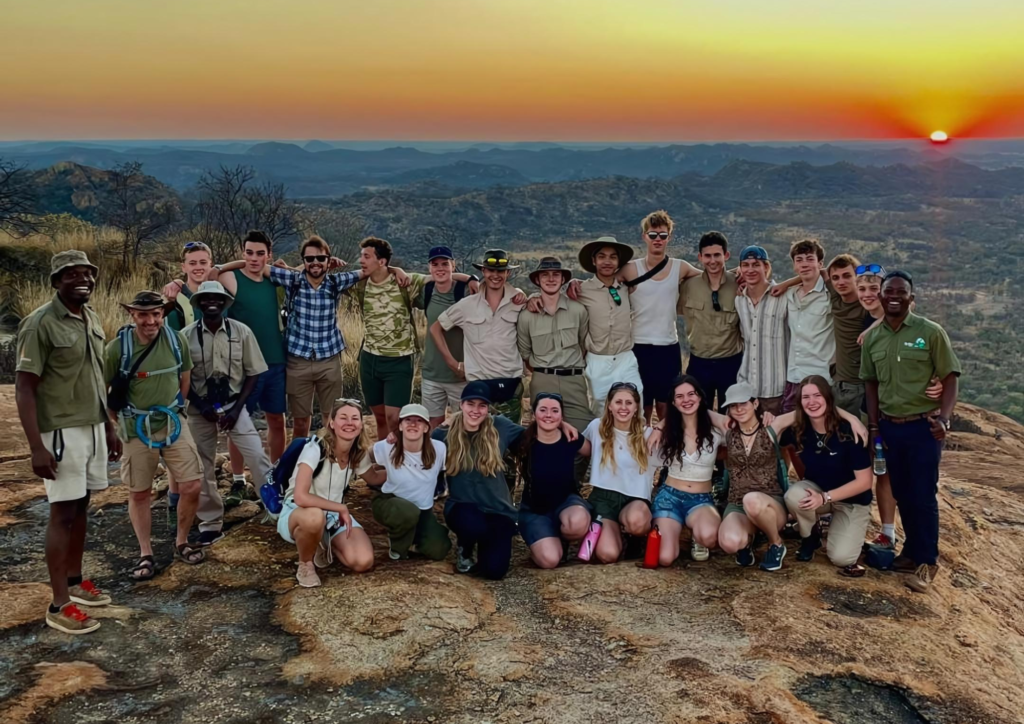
pixel 275 488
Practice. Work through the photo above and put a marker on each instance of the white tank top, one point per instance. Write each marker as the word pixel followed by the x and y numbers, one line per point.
pixel 699 467
pixel 654 306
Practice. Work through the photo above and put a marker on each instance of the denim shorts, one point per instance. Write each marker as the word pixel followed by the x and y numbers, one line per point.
pixel 333 519
pixel 535 526
pixel 268 394
pixel 678 504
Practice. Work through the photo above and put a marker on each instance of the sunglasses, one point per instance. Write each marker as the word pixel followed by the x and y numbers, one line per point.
pixel 493 261
pixel 615 295
pixel 548 396
pixel 873 269
pixel 194 245
pixel 622 386
pixel 349 402
pixel 663 235
pixel 318 257
pixel 714 301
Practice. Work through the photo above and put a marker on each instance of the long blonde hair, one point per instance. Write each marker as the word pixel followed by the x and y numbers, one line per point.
pixel 360 446
pixel 636 443
pixel 482 453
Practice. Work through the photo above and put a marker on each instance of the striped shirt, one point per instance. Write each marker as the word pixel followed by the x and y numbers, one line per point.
pixel 765 342
pixel 313 317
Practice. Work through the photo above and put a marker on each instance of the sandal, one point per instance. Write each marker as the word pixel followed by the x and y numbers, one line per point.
pixel 144 570
pixel 854 570
pixel 190 554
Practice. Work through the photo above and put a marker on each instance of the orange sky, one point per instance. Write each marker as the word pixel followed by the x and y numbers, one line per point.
pixel 645 70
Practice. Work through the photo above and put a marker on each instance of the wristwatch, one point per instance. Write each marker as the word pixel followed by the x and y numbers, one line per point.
pixel 826 496
pixel 944 422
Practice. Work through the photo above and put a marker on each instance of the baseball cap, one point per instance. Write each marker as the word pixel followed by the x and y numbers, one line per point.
pixel 414 410
pixel 440 252
pixel 740 392
pixel 477 391
pixel 754 252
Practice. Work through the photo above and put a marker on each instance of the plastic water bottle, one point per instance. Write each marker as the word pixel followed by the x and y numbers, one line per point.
pixel 589 542
pixel 879 464
pixel 653 553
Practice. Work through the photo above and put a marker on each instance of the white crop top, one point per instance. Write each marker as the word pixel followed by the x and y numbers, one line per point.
pixel 699 467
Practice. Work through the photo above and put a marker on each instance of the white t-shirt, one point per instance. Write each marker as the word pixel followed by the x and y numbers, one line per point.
pixel 411 481
pixel 626 478
pixel 332 481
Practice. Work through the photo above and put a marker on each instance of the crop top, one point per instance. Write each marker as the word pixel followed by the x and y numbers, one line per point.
pixel 699 467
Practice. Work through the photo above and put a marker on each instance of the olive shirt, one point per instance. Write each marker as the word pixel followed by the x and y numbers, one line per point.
pixel 610 331
pixel 847 325
pixel 231 351
pixel 434 367
pixel 711 334
pixel 66 353
pixel 147 392
pixel 554 340
pixel 903 363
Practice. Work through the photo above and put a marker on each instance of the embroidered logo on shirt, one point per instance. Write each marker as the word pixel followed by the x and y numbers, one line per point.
pixel 919 343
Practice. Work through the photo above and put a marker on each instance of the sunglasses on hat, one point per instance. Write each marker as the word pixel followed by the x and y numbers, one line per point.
pixel 873 269
pixel 492 260
pixel 622 386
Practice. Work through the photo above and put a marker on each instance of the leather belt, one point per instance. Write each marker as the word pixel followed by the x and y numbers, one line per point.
pixel 560 371
pixel 911 418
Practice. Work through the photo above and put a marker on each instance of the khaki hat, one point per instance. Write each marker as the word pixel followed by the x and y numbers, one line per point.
pixel 624 251
pixel 414 410
pixel 740 392
pixel 70 258
pixel 212 288
pixel 145 301
pixel 550 263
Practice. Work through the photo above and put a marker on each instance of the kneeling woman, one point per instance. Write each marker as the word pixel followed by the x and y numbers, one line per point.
pixel 405 505
pixel 314 508
pixel 836 477
pixel 621 470
pixel 551 512
pixel 689 447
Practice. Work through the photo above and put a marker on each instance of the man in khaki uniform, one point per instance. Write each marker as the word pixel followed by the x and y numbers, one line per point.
pixel 551 343
pixel 59 390
pixel 227 364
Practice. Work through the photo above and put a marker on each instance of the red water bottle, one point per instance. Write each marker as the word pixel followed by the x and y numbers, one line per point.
pixel 653 552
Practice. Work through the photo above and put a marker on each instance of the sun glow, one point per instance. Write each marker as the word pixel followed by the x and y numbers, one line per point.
pixel 939 137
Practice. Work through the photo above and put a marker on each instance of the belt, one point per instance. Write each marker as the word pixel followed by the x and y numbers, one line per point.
pixel 560 371
pixel 911 418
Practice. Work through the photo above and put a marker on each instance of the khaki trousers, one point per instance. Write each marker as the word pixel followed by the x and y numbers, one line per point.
pixel 575 398
pixel 247 440
pixel 846 532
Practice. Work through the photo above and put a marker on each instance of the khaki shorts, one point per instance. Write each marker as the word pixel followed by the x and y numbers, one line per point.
pixel 437 396
pixel 82 467
pixel 138 466
pixel 307 377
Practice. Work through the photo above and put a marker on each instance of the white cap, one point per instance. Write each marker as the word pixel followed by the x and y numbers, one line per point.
pixel 414 410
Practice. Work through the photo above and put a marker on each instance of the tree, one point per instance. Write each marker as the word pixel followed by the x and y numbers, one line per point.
pixel 466 248
pixel 18 212
pixel 341 230
pixel 138 210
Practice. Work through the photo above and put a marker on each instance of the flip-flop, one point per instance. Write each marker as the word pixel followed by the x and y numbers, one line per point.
pixel 144 570
pixel 190 554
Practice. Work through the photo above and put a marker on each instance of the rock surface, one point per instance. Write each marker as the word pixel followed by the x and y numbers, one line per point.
pixel 235 640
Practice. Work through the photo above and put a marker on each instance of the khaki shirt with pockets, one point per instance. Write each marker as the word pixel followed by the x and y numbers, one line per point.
pixel 232 352
pixel 610 331
pixel 711 334
pixel 554 340
pixel 489 338
pixel 66 353
pixel 903 363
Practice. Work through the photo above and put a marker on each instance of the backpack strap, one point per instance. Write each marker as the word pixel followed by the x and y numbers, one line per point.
pixel 460 290
pixel 407 298
pixel 428 292
pixel 781 469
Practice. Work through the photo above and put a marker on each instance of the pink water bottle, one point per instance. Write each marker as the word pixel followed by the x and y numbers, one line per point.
pixel 589 542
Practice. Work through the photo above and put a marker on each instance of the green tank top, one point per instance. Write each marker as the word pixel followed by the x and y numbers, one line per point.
pixel 256 306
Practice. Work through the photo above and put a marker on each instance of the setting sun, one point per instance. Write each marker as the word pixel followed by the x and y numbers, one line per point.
pixel 939 137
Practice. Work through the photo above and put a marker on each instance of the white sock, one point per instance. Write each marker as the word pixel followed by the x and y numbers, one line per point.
pixel 889 530
pixel 238 479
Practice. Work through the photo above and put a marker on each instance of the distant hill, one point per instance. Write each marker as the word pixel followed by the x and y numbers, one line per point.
pixel 84 191
pixel 317 146
pixel 461 174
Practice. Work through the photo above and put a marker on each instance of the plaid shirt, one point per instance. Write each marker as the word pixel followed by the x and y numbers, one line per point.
pixel 313 320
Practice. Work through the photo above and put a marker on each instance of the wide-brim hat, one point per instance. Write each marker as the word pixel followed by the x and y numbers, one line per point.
pixel 624 251
pixel 145 301
pixel 211 288
pixel 70 258
pixel 739 393
pixel 550 263
pixel 497 260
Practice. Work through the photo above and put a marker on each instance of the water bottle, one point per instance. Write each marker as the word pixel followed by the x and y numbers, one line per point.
pixel 653 553
pixel 589 542
pixel 879 464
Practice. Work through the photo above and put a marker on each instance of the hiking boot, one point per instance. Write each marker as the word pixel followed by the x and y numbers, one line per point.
pixel 922 579
pixel 306 575
pixel 773 557
pixel 808 545
pixel 883 541
pixel 71 620
pixel 698 552
pixel 86 594
pixel 903 564
pixel 238 493
pixel 463 560
pixel 745 557
pixel 208 537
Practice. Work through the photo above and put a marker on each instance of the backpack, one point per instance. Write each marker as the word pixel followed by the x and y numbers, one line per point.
pixel 720 486
pixel 275 488
pixel 459 290
pixel 359 292
pixel 117 398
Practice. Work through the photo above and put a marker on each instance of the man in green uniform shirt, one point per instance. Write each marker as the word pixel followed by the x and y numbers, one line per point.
pixel 898 361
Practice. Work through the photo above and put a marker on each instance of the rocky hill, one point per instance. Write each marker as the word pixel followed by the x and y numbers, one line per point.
pixel 234 640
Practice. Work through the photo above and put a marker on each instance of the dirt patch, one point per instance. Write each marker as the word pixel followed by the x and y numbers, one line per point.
pixel 869 604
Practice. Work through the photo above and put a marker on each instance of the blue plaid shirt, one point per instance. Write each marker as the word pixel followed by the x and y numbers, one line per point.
pixel 313 320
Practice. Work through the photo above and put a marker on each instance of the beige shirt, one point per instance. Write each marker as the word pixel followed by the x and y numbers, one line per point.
pixel 490 343
pixel 812 344
pixel 611 325
pixel 712 333
pixel 554 340
pixel 232 352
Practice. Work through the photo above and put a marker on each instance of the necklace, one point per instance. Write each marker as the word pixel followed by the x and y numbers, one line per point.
pixel 821 441
pixel 752 432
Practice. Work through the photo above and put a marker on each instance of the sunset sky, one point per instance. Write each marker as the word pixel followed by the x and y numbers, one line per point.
pixel 586 70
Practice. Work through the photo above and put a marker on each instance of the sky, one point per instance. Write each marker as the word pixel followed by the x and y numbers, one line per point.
pixel 508 70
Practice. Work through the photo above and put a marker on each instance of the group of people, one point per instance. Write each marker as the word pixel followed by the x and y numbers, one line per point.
pixel 802 374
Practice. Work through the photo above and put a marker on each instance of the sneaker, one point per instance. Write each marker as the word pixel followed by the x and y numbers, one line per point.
pixel 392 553
pixel 698 552
pixel 883 541
pixel 745 557
pixel 323 556
pixel 209 537
pixel 922 579
pixel 306 575
pixel 808 545
pixel 236 495
pixel 904 564
pixel 463 560
pixel 71 620
pixel 773 557
pixel 86 594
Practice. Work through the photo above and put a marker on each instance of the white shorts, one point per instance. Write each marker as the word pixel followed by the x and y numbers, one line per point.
pixel 438 396
pixel 605 370
pixel 82 466
pixel 333 519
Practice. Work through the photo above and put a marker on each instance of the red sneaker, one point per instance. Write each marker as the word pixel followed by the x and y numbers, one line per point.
pixel 883 541
pixel 87 594
pixel 71 620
